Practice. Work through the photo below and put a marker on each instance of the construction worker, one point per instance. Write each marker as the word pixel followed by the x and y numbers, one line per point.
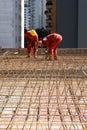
pixel 32 38
pixel 52 41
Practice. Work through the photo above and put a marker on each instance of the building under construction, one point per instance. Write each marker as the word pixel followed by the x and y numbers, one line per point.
pixel 38 94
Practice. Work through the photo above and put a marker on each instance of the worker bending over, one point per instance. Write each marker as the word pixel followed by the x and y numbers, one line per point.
pixel 32 38
pixel 52 42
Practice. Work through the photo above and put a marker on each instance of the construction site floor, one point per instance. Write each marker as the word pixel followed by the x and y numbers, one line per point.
pixel 39 94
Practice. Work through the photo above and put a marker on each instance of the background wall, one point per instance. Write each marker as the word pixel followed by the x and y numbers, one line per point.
pixel 67 21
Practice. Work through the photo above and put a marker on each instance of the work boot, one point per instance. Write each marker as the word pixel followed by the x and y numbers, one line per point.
pixel 51 57
pixel 55 58
pixel 35 55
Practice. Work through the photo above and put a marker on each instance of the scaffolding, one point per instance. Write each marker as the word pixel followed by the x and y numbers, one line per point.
pixel 36 94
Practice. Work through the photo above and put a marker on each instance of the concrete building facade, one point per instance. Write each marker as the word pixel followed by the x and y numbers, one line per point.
pixel 33 14
pixel 10 23
pixel 51 15
pixel 43 13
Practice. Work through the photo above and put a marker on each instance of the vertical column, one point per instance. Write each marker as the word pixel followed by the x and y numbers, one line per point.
pixel 22 23
pixel 67 22
pixel 82 24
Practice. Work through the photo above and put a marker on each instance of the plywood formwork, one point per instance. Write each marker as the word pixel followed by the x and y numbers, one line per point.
pixel 36 94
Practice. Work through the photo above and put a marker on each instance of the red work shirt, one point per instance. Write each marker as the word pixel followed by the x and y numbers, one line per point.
pixel 53 38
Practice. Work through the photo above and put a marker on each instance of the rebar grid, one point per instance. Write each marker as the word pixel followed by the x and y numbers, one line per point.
pixel 43 95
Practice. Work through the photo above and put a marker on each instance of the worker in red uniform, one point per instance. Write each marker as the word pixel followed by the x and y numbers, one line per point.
pixel 32 38
pixel 52 41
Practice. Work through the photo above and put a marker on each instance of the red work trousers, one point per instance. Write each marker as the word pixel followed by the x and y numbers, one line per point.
pixel 53 48
pixel 32 49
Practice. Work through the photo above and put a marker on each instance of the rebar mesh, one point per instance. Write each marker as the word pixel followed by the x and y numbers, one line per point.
pixel 36 94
